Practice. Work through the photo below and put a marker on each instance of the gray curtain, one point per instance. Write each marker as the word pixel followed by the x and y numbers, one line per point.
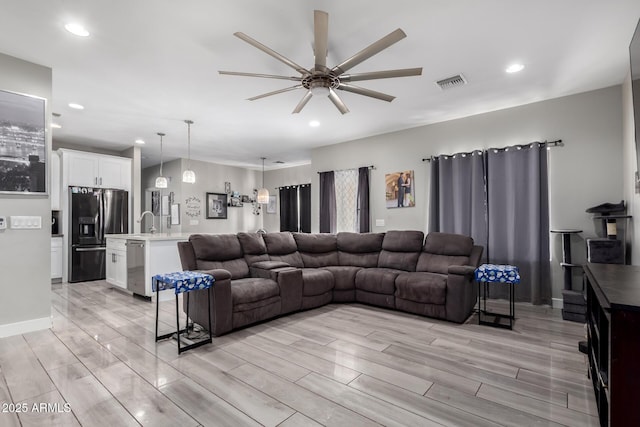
pixel 327 202
pixel 518 213
pixel 305 208
pixel 364 217
pixel 289 208
pixel 457 202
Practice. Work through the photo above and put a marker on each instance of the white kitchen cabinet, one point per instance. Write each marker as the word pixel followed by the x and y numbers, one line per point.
pixel 116 263
pixel 56 258
pixel 97 170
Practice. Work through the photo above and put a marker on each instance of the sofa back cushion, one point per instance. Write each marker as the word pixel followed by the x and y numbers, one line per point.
pixel 359 249
pixel 442 250
pixel 219 251
pixel 254 248
pixel 401 249
pixel 282 247
pixel 317 250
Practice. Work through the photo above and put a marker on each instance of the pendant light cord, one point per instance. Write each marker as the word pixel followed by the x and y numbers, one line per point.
pixel 161 135
pixel 189 123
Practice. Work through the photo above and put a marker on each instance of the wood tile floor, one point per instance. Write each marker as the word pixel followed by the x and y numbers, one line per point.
pixel 339 365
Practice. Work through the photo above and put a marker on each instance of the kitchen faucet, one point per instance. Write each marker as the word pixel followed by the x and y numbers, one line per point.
pixel 153 220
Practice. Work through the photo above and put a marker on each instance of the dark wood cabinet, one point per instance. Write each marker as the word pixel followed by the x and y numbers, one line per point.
pixel 613 319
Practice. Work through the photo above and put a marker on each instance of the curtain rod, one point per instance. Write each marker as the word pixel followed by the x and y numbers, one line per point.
pixel 556 143
pixel 294 186
pixel 340 170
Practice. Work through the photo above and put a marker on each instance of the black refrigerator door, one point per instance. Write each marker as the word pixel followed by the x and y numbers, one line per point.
pixel 87 263
pixel 85 206
pixel 115 213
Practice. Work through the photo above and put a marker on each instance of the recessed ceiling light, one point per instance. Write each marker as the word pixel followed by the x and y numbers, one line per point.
pixel 514 68
pixel 139 141
pixel 76 106
pixel 56 126
pixel 76 29
pixel 314 123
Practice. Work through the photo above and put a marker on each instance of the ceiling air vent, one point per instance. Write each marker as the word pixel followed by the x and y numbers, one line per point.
pixel 280 162
pixel 448 83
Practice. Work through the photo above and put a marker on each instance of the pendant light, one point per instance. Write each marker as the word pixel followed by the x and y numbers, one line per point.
pixel 161 181
pixel 189 176
pixel 263 193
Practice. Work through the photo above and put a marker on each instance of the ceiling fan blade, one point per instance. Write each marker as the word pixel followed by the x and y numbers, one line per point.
pixel 388 74
pixel 307 96
pixel 333 96
pixel 369 51
pixel 266 76
pixel 271 52
pixel 321 38
pixel 366 92
pixel 275 92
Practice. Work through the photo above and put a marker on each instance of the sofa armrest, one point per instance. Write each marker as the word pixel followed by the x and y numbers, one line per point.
pixel 221 303
pixel 462 270
pixel 462 294
pixel 290 282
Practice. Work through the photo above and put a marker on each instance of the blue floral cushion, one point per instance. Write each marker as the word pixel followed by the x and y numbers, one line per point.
pixel 182 281
pixel 496 273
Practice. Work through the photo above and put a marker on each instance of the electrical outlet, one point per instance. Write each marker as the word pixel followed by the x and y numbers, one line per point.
pixel 3 222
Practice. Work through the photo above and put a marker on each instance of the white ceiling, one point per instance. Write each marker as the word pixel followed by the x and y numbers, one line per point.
pixel 150 64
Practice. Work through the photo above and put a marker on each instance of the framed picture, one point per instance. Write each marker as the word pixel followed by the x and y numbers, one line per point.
pixel 272 205
pixel 216 206
pixel 175 214
pixel 165 205
pixel 399 189
pixel 23 144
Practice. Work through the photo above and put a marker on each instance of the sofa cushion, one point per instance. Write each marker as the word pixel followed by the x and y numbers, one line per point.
pixel 253 247
pixel 253 289
pixel 426 288
pixel 282 247
pixel 344 276
pixel 316 243
pixel 359 249
pixel 439 263
pixel 403 241
pixel 317 250
pixel 377 280
pixel 237 267
pixel 448 244
pixel 442 250
pixel 316 281
pixel 401 249
pixel 216 247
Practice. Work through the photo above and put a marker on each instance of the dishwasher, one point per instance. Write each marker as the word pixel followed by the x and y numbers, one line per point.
pixel 135 267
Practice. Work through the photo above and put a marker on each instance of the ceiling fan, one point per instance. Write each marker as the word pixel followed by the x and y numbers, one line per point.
pixel 321 80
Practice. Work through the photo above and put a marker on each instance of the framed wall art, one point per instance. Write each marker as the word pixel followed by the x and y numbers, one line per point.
pixel 399 189
pixel 216 206
pixel 23 144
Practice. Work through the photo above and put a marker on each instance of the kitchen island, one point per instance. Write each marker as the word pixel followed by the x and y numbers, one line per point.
pixel 133 259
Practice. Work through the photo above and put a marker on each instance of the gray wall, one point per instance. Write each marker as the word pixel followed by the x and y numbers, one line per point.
pixel 25 264
pixel 280 178
pixel 586 172
pixel 210 177
pixel 629 168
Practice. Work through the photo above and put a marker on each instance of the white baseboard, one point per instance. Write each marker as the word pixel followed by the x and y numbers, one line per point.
pixel 557 303
pixel 24 327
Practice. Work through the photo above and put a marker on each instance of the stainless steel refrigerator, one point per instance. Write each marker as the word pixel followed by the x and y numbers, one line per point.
pixel 94 212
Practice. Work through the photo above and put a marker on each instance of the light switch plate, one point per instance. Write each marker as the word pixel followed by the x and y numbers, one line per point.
pixel 379 222
pixel 26 222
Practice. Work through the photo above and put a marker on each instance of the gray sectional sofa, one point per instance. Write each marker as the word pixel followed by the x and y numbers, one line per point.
pixel 261 276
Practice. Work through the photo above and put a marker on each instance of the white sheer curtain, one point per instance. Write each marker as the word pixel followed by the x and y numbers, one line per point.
pixel 346 185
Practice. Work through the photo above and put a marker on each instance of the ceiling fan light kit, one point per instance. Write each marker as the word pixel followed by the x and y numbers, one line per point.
pixel 323 81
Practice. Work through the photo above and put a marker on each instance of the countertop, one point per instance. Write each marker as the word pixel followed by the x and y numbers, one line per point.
pixel 150 236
